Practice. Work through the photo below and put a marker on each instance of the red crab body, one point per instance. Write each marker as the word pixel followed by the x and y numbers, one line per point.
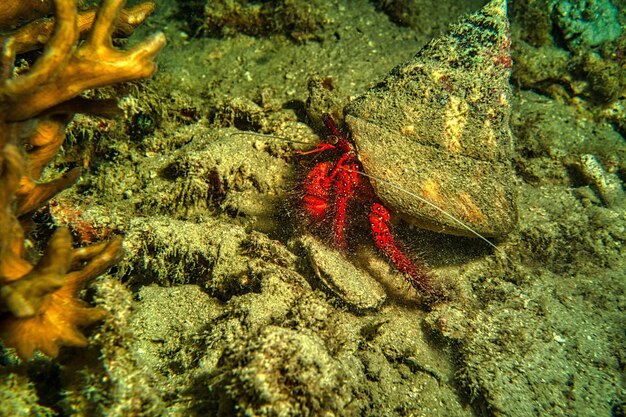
pixel 330 190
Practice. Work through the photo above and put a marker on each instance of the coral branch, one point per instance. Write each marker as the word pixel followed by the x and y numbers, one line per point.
pixel 60 313
pixel 418 276
pixel 39 304
pixel 36 34
pixel 12 12
pixel 13 90
pixel 59 75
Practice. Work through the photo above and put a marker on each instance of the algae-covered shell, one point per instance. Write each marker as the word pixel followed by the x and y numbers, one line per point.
pixel 438 127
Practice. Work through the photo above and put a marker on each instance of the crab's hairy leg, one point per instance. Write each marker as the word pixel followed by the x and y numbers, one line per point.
pixel 418 276
pixel 346 183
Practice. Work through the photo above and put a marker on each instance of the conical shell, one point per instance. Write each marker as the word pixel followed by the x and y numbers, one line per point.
pixel 438 127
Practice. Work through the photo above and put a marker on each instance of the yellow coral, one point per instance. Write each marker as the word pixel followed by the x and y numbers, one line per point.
pixel 15 12
pixel 55 321
pixel 39 302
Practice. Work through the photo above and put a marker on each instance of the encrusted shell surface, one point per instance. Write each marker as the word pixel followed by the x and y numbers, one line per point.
pixel 438 127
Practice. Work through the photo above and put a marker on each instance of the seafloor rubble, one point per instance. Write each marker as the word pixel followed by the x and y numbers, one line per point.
pixel 226 305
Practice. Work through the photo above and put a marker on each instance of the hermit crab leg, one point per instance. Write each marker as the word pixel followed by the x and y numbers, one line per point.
pixel 379 221
pixel 346 183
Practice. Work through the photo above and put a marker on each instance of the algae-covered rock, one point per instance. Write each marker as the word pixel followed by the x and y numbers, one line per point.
pixel 531 21
pixel 587 23
pixel 301 20
pixel 583 57
pixel 412 13
pixel 283 372
pixel 359 291
pixel 18 397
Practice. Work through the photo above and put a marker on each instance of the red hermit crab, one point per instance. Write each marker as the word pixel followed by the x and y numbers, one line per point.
pixel 331 191
pixel 434 138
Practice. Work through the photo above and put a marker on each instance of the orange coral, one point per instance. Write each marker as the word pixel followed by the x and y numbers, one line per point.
pixel 56 320
pixel 36 34
pixel 15 12
pixel 39 302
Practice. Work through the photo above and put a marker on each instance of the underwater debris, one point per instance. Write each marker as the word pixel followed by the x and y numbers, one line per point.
pixel 608 185
pixel 300 20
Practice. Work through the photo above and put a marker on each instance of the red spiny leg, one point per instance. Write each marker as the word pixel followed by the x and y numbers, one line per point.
pixel 346 182
pixel 316 187
pixel 379 219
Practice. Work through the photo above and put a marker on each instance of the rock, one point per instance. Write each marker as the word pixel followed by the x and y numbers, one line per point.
pixel 586 24
pixel 357 289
